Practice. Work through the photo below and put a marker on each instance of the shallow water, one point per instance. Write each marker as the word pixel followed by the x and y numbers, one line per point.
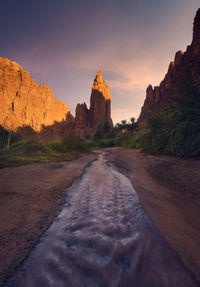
pixel 103 237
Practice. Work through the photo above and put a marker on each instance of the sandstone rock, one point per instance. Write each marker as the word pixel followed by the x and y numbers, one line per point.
pixel 82 116
pixel 196 34
pixel 184 72
pixel 58 130
pixel 87 120
pixel 25 103
pixel 32 110
pixel 100 102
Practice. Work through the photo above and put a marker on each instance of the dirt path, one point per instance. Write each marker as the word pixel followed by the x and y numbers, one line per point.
pixel 169 190
pixel 30 198
pixel 103 237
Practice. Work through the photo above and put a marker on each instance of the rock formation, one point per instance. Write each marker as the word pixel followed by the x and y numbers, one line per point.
pixel 25 103
pixel 182 77
pixel 100 102
pixel 100 107
pixel 31 109
pixel 82 117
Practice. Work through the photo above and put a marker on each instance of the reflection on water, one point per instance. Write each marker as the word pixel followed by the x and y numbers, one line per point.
pixel 103 238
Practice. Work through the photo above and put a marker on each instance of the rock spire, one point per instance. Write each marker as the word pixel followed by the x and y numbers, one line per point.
pixel 100 107
pixel 100 102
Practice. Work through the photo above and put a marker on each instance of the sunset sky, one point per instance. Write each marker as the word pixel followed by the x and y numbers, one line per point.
pixel 63 43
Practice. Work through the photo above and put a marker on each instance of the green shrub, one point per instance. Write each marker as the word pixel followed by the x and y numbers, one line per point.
pixel 70 142
pixel 176 132
pixel 7 138
pixel 26 148
pixel 106 143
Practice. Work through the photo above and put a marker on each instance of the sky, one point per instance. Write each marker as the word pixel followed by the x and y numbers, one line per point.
pixel 63 43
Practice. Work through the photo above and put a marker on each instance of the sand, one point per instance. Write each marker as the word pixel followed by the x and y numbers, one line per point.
pixel 30 198
pixel 169 190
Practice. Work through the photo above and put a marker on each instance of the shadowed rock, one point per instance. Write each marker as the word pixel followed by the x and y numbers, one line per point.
pixel 181 80
pixel 100 102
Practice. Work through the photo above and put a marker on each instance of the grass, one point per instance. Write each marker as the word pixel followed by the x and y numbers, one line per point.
pixel 16 151
pixel 70 142
pixel 174 132
pixel 177 131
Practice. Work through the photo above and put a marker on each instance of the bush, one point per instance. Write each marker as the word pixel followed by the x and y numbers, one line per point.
pixel 7 138
pixel 70 142
pixel 26 147
pixel 177 131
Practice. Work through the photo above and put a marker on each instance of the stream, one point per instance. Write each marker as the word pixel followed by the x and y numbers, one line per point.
pixel 103 238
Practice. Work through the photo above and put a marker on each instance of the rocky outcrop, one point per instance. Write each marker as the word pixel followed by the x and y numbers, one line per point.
pixel 25 103
pixel 82 117
pixel 182 78
pixel 100 102
pixel 196 34
pixel 86 120
pixel 31 109
pixel 100 107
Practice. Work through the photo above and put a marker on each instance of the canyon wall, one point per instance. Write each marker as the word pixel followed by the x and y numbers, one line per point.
pixel 181 80
pixel 25 103
pixel 31 109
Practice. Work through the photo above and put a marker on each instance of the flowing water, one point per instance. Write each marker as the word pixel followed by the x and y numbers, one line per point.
pixel 103 238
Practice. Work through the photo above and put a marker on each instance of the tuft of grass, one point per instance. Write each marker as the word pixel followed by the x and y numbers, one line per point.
pixel 24 151
pixel 7 138
pixel 70 142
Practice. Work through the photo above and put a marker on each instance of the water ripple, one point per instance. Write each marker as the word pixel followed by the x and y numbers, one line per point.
pixel 103 238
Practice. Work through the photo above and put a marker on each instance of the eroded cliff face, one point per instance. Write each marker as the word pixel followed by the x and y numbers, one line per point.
pixel 183 77
pixel 31 109
pixel 87 120
pixel 25 103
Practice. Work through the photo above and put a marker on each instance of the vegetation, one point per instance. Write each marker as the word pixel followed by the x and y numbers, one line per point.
pixel 15 150
pixel 7 138
pixel 177 131
pixel 118 136
pixel 70 142
pixel 174 132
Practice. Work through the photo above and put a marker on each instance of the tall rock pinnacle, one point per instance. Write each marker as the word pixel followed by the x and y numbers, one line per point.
pixel 87 120
pixel 196 34
pixel 100 102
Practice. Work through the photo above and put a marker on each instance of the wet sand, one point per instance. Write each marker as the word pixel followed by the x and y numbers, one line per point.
pixel 169 190
pixel 103 237
pixel 30 198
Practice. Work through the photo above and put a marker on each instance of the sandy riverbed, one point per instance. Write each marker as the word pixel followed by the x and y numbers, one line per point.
pixel 168 188
pixel 30 198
